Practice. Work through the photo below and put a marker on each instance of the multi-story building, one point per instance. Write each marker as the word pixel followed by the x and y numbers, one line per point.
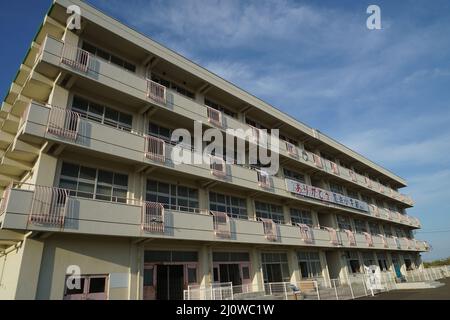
pixel 88 183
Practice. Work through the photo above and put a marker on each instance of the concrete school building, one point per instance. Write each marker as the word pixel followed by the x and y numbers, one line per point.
pixel 88 184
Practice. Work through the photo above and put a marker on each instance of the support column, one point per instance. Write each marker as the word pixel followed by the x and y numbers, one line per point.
pixel 324 265
pixel 256 272
pixel 293 266
pixel 205 266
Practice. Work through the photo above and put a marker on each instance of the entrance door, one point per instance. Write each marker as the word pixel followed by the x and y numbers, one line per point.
pixel 170 280
pixel 273 272
pixel 230 273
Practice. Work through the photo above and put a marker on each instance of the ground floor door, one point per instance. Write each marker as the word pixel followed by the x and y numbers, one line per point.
pixel 170 279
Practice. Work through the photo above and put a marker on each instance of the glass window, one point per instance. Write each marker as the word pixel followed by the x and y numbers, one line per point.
pixel 148 277
pixel 219 107
pixel 374 228
pixel 344 222
pixel 294 175
pixel 172 196
pixel 368 259
pixel 309 264
pixel 353 262
pixel 234 206
pixel 336 188
pixel 102 114
pixel 301 216
pixel 275 267
pixel 269 211
pixel 171 85
pixel 360 225
pixel 192 275
pixel 108 57
pixel 93 183
pixel 97 285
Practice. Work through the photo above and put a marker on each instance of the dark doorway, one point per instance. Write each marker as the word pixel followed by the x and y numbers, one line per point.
pixel 170 282
pixel 273 273
pixel 230 273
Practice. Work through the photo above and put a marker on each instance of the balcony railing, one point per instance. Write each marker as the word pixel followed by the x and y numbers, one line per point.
pixel 263 179
pixel 218 167
pixel 214 116
pixel 155 149
pixel 156 91
pixel 270 229
pixel 317 161
pixel 306 233
pixel 333 235
pixel 350 237
pixel 334 168
pixel 64 123
pixel 153 217
pixel 49 206
pixel 369 239
pixel 75 57
pixel 222 224
pixel 291 149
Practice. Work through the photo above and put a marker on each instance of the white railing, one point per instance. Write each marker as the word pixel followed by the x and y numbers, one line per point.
pixel 49 206
pixel 75 57
pixel 384 240
pixel 334 168
pixel 64 123
pixel 263 179
pixel 270 229
pixel 153 217
pixel 305 233
pixel 427 274
pixel 222 224
pixel 156 91
pixel 214 116
pixel 155 149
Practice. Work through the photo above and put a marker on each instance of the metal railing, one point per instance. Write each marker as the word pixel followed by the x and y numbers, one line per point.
pixel 156 91
pixel 63 122
pixel 153 217
pixel 218 166
pixel 214 116
pixel 155 149
pixel 270 229
pixel 222 224
pixel 291 149
pixel 75 57
pixel 306 233
pixel 351 237
pixel 333 235
pixel 49 206
pixel 263 179
pixel 369 239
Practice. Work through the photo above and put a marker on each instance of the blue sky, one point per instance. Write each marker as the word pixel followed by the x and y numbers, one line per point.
pixel 384 93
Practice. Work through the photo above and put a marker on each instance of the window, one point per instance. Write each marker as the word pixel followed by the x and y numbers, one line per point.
pixel 230 256
pixel 387 230
pixel 365 198
pixel 93 183
pixel 352 194
pixel 360 225
pixel 382 261
pixel 148 277
pixel 108 57
pixel 256 124
pixel 275 267
pixel 368 259
pixel 170 256
pixel 309 264
pixel 192 274
pixel 219 107
pixel 344 223
pixel 171 85
pixel 285 138
pixel 374 228
pixel 171 196
pixel 336 188
pixel 234 206
pixel 99 113
pixel 353 261
pixel 92 287
pixel 399 232
pixel 269 211
pixel 301 216
pixel 294 175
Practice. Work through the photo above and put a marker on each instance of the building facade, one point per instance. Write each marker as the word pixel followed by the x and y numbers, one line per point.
pixel 89 186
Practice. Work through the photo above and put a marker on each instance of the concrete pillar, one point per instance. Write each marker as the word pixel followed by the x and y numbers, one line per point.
pixel 205 266
pixel 251 208
pixel 45 171
pixel 315 217
pixel 287 215
pixel 256 270
pixel 30 264
pixel 203 199
pixel 293 266
pixel 324 265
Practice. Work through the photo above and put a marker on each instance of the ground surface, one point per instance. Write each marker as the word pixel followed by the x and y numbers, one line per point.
pixel 441 293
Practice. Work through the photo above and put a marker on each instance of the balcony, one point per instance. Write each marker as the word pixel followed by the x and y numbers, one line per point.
pixel 142 149
pixel 49 209
pixel 76 61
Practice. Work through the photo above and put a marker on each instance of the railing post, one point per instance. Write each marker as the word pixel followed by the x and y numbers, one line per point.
pixel 317 289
